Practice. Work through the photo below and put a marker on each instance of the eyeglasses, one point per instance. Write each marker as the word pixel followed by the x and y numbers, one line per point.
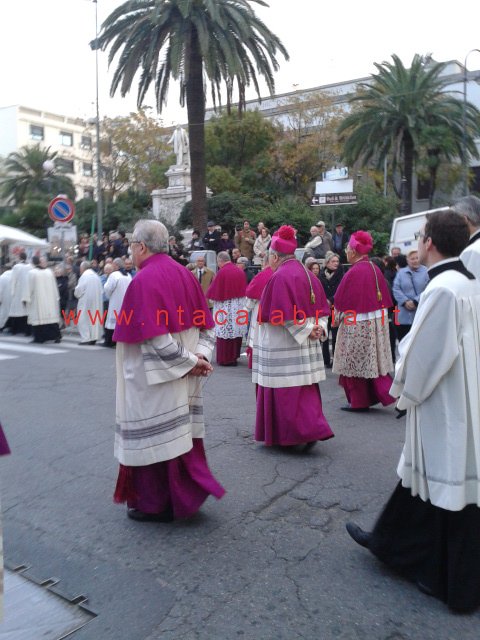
pixel 418 235
pixel 136 242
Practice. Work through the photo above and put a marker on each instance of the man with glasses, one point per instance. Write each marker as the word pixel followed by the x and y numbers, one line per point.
pixel 164 343
pixel 429 529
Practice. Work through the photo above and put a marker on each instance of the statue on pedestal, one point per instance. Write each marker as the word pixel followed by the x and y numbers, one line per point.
pixel 181 146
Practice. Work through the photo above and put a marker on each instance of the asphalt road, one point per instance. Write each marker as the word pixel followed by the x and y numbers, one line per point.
pixel 270 561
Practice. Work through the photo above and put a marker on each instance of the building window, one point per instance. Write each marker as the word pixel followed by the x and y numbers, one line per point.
pixel 64 165
pixel 66 139
pixel 86 142
pixel 88 194
pixel 36 132
pixel 87 169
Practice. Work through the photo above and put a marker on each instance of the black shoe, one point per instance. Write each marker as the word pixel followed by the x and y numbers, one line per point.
pixel 57 340
pixel 424 589
pixel 348 407
pixel 361 537
pixel 309 445
pixel 400 413
pixel 329 365
pixel 164 516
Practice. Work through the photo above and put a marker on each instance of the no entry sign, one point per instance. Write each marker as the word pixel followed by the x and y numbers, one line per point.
pixel 61 209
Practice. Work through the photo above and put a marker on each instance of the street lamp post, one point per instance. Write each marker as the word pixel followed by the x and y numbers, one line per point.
pixel 97 135
pixel 403 196
pixel 464 126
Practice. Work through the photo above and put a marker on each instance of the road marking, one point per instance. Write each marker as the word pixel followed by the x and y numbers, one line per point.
pixel 43 351
pixel 2 357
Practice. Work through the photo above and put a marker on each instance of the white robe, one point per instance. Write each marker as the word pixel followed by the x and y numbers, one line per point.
pixel 42 298
pixel 115 288
pixel 159 407
pixel 437 380
pixel 470 257
pixel 20 272
pixel 284 356
pixel 89 292
pixel 5 296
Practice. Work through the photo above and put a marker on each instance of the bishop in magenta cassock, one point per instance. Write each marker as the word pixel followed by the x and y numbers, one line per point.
pixel 363 357
pixel 227 292
pixel 164 343
pixel 287 355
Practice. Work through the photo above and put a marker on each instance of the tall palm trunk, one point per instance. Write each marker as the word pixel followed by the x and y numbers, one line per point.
pixel 408 151
pixel 196 128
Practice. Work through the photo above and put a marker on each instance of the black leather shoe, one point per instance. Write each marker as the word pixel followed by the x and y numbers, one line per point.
pixel 400 413
pixel 309 445
pixel 347 407
pixel 164 516
pixel 360 536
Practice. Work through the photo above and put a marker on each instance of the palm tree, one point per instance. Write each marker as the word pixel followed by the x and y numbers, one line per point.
pixel 27 178
pixel 187 40
pixel 394 110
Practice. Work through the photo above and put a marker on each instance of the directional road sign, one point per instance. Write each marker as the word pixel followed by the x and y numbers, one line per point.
pixel 61 209
pixel 319 200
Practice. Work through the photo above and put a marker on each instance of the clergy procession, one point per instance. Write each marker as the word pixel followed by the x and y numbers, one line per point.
pixel 170 325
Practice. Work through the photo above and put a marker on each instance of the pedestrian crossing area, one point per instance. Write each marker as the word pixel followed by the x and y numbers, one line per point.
pixel 12 347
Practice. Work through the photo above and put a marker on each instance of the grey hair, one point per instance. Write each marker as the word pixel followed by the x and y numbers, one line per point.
pixel 153 233
pixel 119 263
pixel 85 265
pixel 224 256
pixel 243 260
pixel 469 206
pixel 280 255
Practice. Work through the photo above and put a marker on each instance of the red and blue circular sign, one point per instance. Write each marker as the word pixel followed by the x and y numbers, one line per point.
pixel 61 209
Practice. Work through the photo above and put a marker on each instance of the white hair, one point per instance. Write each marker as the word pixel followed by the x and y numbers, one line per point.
pixel 153 234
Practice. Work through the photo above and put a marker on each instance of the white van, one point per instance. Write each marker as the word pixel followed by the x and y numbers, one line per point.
pixel 405 228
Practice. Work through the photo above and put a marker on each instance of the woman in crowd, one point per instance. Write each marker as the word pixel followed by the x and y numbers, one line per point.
pixel 330 277
pixel 261 246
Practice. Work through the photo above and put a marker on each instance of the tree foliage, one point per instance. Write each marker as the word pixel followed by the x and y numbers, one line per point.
pixel 26 178
pixel 394 110
pixel 222 41
pixel 134 153
pixel 307 144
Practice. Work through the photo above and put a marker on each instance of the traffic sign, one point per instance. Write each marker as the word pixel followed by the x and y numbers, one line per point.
pixel 319 200
pixel 61 209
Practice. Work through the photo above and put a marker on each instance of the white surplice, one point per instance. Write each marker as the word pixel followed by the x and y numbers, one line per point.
pixel 284 355
pixel 89 292
pixel 159 406
pixel 437 380
pixel 115 288
pixel 42 298
pixel 470 257
pixel 5 296
pixel 19 284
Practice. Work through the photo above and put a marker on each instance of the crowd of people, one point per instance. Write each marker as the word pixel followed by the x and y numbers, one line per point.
pixel 428 300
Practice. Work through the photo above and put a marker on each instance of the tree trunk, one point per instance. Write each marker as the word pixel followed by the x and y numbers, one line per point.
pixel 408 150
pixel 196 129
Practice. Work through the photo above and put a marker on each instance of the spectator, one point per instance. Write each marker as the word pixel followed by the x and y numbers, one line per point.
pixel 409 283
pixel 211 240
pixel 195 243
pixel 330 277
pixel 260 248
pixel 175 251
pixel 226 244
pixel 244 240
pixel 236 255
pixel 340 241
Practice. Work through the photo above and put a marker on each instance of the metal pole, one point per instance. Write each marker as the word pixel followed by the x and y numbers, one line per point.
pixel 97 131
pixel 385 177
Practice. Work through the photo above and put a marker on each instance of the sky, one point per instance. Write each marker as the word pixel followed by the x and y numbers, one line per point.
pixel 47 64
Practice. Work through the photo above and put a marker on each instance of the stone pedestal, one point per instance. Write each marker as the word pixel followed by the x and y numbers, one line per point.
pixel 167 203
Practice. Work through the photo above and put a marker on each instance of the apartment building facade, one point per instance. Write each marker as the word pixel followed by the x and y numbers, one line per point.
pixel 72 138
